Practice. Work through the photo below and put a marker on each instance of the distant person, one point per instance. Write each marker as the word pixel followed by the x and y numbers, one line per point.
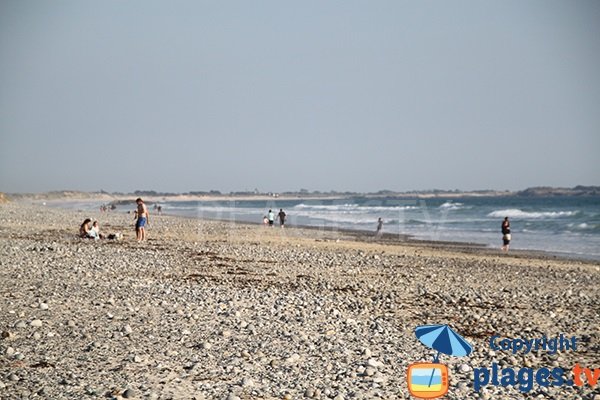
pixel 281 216
pixel 505 234
pixel 379 227
pixel 159 209
pixel 265 221
pixel 142 216
pixel 271 216
pixel 84 229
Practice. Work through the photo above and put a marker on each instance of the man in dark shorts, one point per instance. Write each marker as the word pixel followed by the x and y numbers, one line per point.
pixel 271 216
pixel 281 216
pixel 505 234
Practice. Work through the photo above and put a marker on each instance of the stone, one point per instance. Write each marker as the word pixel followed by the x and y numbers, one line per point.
pixel 294 358
pixel 247 382
pixel 371 362
pixel 129 393
pixel 7 335
pixel 465 368
pixel 36 323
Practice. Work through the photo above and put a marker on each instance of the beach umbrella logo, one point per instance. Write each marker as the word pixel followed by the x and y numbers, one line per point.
pixel 430 380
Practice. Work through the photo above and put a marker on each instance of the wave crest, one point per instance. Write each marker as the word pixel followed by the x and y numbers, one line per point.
pixel 516 213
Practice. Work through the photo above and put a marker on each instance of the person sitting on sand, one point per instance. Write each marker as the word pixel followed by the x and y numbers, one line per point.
pixel 95 231
pixel 142 216
pixel 85 228
pixel 265 220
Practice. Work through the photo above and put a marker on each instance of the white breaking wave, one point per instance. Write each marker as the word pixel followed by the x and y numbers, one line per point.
pixel 451 206
pixel 516 213
pixel 351 207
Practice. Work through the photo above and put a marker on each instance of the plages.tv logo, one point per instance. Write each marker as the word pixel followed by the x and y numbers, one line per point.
pixel 430 380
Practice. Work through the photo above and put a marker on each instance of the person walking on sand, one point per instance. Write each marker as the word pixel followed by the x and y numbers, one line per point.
pixel 271 216
pixel 281 216
pixel 379 227
pixel 505 234
pixel 142 219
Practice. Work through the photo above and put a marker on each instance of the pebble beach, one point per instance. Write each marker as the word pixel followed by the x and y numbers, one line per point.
pixel 216 310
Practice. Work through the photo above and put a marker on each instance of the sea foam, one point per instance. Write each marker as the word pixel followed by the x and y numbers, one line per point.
pixel 516 213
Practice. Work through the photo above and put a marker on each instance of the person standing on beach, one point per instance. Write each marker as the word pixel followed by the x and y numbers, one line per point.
pixel 142 218
pixel 505 234
pixel 271 216
pixel 281 216
pixel 379 227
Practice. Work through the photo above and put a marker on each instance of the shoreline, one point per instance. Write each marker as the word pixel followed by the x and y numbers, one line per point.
pixel 367 236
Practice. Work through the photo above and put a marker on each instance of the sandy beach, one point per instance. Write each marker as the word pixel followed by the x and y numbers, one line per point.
pixel 211 310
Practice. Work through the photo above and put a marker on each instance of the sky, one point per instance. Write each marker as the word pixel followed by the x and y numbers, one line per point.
pixel 181 96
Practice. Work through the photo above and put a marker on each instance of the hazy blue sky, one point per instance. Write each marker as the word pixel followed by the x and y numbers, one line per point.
pixel 281 95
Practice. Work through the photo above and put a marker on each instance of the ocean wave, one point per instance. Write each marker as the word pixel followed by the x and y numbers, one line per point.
pixel 516 213
pixel 351 207
pixel 585 227
pixel 450 206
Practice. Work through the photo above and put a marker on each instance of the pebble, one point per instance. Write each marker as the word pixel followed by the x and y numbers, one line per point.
pixel 294 358
pixel 7 335
pixel 129 393
pixel 36 323
pixel 246 382
pixel 371 362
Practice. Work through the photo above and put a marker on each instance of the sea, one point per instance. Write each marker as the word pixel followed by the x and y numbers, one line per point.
pixel 567 226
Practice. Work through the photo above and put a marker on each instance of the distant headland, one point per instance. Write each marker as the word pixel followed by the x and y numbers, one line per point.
pixel 101 195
